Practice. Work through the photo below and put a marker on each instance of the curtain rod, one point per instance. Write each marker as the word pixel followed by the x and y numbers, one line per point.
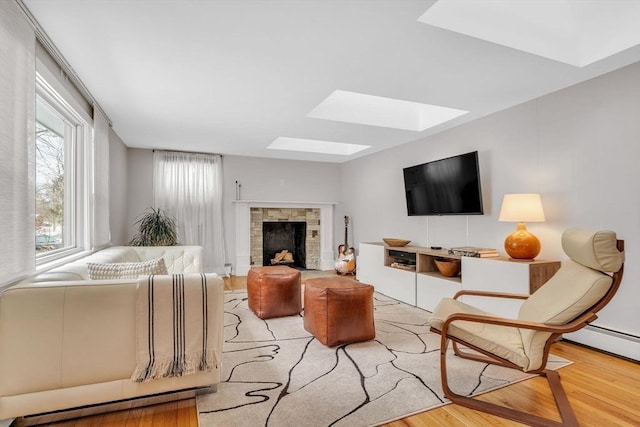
pixel 57 56
pixel 188 152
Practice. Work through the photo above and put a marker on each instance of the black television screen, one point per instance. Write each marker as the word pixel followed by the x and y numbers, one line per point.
pixel 448 186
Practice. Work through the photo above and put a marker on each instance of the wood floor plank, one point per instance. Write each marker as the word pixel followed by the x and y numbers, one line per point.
pixel 602 389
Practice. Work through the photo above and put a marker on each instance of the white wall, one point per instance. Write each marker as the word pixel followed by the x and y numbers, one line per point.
pixel 261 179
pixel 578 147
pixel 275 180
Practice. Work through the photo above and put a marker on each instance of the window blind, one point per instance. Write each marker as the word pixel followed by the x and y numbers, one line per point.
pixel 17 143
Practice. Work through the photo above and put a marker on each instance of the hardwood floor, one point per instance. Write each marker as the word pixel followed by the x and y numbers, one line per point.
pixel 604 391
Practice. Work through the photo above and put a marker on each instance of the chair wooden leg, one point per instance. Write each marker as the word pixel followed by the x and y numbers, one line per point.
pixel 553 378
pixel 562 401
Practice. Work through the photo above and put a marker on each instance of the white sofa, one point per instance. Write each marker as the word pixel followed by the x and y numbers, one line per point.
pixel 67 341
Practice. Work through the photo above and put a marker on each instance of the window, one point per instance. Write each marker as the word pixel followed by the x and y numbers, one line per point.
pixel 72 159
pixel 61 134
pixel 51 133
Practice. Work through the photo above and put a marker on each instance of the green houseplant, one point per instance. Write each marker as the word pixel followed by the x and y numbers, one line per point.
pixel 155 228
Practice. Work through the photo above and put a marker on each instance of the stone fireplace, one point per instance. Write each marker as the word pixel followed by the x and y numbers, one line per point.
pixel 312 248
pixel 293 229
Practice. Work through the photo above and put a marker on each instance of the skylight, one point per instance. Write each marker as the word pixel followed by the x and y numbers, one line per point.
pixel 316 146
pixel 575 32
pixel 352 107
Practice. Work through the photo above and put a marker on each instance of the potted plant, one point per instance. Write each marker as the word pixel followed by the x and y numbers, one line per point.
pixel 155 228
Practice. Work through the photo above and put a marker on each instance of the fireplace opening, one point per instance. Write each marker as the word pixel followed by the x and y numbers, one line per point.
pixel 284 236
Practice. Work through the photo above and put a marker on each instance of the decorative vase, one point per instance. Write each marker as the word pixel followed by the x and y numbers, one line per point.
pixel 521 244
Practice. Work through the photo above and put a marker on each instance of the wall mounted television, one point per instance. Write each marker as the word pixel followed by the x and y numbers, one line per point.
pixel 448 186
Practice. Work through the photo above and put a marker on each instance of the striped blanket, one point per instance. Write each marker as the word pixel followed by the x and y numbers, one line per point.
pixel 172 324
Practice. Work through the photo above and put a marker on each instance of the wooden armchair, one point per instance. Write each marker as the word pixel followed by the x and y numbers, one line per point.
pixel 566 303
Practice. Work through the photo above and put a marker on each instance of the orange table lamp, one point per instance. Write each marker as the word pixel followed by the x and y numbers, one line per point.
pixel 521 208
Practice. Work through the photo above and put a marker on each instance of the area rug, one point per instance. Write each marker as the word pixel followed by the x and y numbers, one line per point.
pixel 313 274
pixel 276 374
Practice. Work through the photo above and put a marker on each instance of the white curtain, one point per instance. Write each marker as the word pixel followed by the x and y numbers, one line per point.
pixel 17 143
pixel 188 186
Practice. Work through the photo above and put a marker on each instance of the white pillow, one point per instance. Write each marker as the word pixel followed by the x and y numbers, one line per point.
pixel 125 270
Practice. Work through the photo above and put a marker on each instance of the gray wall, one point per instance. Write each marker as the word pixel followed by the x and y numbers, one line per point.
pixel 118 188
pixel 261 179
pixel 140 186
pixel 578 147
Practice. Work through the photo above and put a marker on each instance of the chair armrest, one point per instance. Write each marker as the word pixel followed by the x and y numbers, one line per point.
pixel 523 324
pixel 490 294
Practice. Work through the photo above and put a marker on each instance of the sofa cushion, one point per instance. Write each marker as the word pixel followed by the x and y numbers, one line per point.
pixel 178 259
pixel 125 270
pixel 58 276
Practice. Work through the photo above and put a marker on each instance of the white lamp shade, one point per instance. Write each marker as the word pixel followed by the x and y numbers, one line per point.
pixel 521 208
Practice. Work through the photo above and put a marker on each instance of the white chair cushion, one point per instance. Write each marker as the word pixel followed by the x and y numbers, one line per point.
pixel 500 340
pixel 595 250
pixel 572 290
pixel 578 285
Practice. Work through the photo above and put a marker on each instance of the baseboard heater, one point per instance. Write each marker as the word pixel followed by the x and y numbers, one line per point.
pixel 118 405
pixel 607 340
pixel 614 333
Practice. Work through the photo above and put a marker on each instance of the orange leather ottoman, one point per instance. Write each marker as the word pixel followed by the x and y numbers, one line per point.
pixel 274 291
pixel 338 310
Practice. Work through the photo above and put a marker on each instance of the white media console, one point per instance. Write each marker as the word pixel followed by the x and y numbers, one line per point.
pixel 424 286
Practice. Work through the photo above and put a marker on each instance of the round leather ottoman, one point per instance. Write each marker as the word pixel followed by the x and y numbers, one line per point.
pixel 274 291
pixel 338 310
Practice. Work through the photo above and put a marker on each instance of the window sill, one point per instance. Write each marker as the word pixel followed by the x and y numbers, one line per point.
pixel 61 260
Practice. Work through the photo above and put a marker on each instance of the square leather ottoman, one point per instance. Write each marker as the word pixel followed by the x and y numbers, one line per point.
pixel 338 310
pixel 274 291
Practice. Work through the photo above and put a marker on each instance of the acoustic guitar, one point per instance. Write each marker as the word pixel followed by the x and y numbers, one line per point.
pixel 346 262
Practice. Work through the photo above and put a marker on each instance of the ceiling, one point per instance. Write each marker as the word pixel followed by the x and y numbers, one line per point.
pixel 231 77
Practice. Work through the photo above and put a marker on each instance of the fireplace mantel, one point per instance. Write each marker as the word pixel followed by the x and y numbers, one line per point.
pixel 243 236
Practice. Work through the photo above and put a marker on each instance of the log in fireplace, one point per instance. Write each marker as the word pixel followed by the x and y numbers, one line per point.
pixel 284 235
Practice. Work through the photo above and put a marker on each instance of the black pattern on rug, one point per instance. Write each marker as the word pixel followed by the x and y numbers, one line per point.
pixel 276 374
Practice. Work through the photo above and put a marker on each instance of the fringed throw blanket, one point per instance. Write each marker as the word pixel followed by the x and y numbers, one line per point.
pixel 172 324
